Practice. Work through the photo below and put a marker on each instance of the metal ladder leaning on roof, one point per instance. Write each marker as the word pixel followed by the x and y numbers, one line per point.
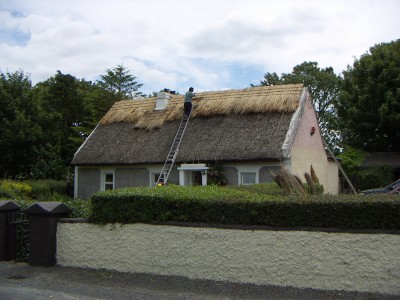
pixel 173 151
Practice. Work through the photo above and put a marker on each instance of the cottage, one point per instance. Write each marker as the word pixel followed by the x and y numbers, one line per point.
pixel 249 133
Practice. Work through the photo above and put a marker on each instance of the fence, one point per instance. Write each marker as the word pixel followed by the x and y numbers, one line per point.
pixel 30 234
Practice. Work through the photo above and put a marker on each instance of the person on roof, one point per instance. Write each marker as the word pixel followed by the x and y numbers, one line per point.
pixel 187 105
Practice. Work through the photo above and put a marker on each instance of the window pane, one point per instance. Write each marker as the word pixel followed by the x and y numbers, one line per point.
pixel 156 175
pixel 109 178
pixel 248 178
pixel 108 186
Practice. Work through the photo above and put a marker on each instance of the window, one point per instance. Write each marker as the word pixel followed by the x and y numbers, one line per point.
pixel 108 181
pixel 248 178
pixel 155 178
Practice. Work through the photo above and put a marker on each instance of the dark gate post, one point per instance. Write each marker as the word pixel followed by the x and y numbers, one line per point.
pixel 42 217
pixel 8 235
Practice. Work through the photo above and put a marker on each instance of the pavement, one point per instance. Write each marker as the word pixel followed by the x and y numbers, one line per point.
pixel 20 281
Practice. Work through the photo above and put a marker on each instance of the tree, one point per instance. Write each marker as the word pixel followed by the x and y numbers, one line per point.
pixel 20 132
pixel 97 101
pixel 324 86
pixel 369 103
pixel 119 82
pixel 63 104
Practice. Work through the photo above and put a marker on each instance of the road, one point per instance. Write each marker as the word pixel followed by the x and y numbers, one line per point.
pixel 19 281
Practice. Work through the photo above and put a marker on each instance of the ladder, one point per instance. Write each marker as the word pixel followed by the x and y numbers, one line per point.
pixel 173 151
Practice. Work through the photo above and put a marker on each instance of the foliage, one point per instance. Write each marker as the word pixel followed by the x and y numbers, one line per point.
pixel 20 130
pixel 64 102
pixel 270 188
pixel 373 177
pixel 216 176
pixel 44 188
pixel 79 208
pixel 369 103
pixel 364 178
pixel 14 189
pixel 41 127
pixel 216 205
pixel 324 86
pixel 121 83
pixel 351 159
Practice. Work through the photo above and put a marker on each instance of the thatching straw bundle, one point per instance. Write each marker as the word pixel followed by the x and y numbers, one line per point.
pixel 266 99
pixel 290 183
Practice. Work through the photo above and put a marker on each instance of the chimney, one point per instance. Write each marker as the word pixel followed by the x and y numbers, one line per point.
pixel 162 99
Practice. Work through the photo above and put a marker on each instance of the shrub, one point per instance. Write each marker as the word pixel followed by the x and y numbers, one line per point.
pixel 80 208
pixel 14 189
pixel 46 187
pixel 238 206
pixel 270 188
pixel 374 177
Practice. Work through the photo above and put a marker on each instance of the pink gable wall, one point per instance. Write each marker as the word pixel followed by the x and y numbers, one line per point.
pixel 308 150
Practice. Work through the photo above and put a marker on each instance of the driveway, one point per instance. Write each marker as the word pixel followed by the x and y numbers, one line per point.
pixel 19 281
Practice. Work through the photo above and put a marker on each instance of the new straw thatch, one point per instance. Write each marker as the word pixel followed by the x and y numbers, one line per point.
pixel 266 99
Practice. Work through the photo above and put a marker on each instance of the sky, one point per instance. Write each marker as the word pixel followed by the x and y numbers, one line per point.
pixel 208 44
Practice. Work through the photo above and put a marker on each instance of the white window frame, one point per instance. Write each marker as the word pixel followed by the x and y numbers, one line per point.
pixel 153 171
pixel 104 181
pixel 154 178
pixel 242 174
pixel 248 168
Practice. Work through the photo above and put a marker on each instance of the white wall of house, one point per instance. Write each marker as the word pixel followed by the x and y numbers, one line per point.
pixel 304 259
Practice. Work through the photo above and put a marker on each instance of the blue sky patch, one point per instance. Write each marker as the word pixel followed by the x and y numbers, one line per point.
pixel 14 37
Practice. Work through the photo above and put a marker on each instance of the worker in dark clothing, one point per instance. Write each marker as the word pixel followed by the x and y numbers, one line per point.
pixel 188 101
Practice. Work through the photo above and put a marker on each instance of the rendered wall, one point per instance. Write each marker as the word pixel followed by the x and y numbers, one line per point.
pixel 308 150
pixel 333 177
pixel 333 261
pixel 127 177
pixel 88 182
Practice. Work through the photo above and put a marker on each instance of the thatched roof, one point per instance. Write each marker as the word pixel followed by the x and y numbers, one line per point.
pixel 234 125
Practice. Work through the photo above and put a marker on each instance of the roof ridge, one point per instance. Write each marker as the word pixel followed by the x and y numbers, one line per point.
pixel 278 98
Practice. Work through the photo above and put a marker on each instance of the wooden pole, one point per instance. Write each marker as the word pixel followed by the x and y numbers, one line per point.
pixel 340 167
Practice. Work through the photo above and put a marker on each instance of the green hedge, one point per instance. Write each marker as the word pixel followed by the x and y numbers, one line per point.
pixel 216 205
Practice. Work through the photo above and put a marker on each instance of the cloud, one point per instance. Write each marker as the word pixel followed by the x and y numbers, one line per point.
pixel 175 44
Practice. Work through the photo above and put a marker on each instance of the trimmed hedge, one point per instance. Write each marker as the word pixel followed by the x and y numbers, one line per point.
pixel 216 205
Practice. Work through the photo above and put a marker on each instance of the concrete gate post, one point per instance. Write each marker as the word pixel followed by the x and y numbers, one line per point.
pixel 43 217
pixel 8 237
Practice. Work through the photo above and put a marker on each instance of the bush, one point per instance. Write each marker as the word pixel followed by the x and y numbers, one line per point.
pixel 270 188
pixel 239 206
pixel 80 208
pixel 14 189
pixel 6 194
pixel 374 177
pixel 46 187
